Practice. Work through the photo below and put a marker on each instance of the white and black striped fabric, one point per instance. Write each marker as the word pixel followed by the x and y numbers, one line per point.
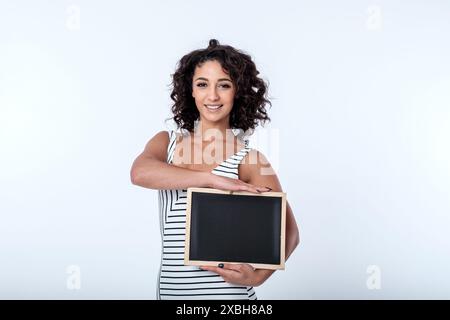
pixel 175 280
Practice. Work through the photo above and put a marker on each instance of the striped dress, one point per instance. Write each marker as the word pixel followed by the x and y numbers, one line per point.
pixel 175 280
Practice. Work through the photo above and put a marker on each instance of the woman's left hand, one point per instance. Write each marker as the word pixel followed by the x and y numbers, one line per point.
pixel 241 274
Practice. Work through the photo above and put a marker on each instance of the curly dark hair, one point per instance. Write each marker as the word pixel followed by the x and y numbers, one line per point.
pixel 250 96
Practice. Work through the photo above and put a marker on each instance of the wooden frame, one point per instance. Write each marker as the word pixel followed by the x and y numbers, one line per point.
pixel 282 232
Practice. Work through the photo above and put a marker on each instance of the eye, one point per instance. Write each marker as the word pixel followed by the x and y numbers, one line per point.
pixel 202 85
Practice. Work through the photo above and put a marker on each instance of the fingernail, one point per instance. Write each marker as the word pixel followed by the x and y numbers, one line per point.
pixel 270 189
pixel 220 265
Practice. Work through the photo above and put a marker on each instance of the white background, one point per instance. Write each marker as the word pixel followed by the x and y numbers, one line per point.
pixel 361 109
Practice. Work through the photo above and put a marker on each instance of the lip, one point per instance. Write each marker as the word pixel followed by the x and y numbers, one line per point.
pixel 213 110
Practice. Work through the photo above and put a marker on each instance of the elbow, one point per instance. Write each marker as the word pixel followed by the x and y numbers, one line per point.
pixel 135 177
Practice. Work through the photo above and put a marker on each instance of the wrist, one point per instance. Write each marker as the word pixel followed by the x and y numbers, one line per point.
pixel 262 275
pixel 207 179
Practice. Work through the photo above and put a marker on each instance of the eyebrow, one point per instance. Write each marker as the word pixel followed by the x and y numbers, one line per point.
pixel 222 79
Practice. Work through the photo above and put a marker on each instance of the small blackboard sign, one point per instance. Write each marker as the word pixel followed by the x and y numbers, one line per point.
pixel 235 227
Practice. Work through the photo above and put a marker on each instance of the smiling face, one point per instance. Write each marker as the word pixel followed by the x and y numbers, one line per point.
pixel 213 91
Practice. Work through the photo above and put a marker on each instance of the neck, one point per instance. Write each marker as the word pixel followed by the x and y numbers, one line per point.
pixel 218 131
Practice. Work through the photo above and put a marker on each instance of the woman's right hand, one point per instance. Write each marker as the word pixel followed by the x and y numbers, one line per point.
pixel 229 184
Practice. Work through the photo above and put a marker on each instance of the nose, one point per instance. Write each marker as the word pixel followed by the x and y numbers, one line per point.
pixel 212 94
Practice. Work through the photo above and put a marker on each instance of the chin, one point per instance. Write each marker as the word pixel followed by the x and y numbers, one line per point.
pixel 210 118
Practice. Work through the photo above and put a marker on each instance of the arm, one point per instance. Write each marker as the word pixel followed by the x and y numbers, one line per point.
pixel 256 173
pixel 151 170
pixel 292 241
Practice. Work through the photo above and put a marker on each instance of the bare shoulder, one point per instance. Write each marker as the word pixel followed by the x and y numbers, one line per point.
pixel 157 146
pixel 256 169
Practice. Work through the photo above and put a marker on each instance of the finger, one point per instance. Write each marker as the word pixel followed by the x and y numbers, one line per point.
pixel 250 188
pixel 248 267
pixel 233 266
pixel 239 267
pixel 225 273
pixel 244 188
pixel 264 189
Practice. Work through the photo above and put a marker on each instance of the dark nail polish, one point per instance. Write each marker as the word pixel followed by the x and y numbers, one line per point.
pixel 270 189
pixel 220 265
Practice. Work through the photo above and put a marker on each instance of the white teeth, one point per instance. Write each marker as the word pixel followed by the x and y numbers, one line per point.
pixel 213 106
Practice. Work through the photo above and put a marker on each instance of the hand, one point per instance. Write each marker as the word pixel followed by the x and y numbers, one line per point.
pixel 229 184
pixel 240 274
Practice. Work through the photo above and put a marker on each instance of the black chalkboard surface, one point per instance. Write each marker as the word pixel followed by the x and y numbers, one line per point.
pixel 235 227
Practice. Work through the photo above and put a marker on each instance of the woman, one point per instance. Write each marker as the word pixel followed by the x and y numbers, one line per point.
pixel 216 91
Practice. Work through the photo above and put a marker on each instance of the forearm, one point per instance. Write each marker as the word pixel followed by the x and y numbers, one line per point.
pixel 155 174
pixel 292 241
pixel 292 234
pixel 263 275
